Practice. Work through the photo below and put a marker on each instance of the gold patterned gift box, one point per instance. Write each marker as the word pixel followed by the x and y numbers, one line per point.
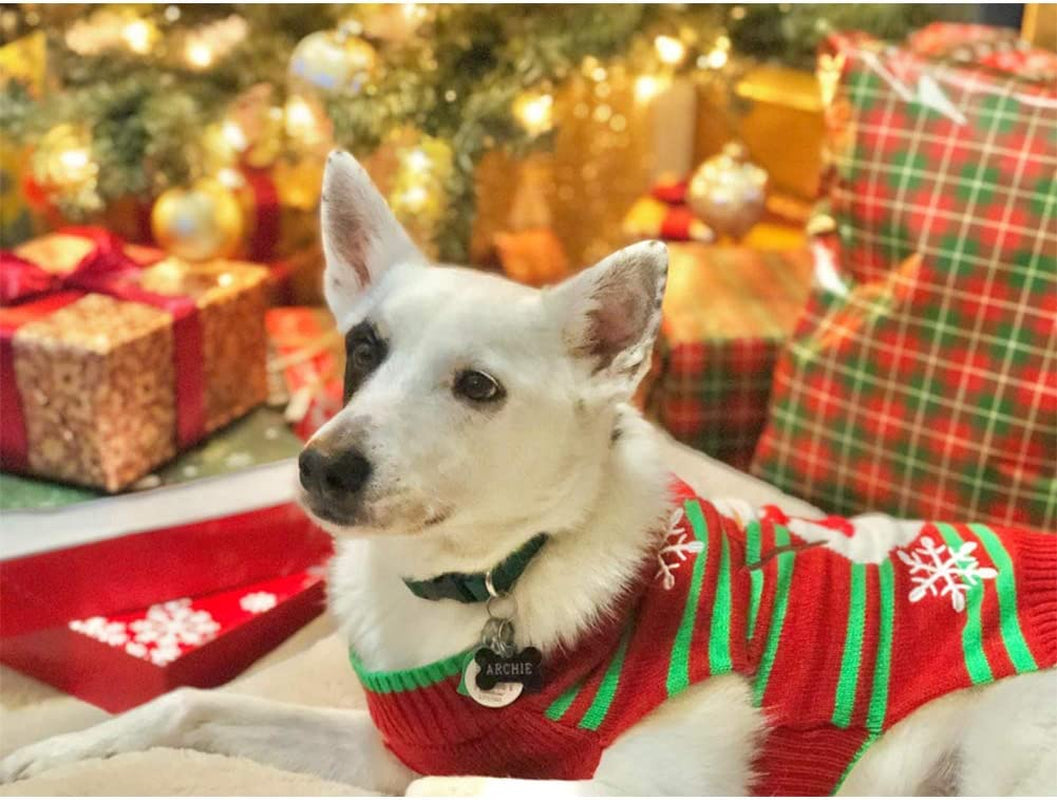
pixel 113 359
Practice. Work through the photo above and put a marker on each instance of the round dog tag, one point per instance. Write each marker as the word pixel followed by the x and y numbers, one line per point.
pixel 500 695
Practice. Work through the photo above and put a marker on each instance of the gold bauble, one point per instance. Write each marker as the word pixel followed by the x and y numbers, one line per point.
pixel 198 223
pixel 728 192
pixel 332 61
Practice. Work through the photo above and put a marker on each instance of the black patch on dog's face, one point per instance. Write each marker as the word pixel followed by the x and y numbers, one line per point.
pixel 365 350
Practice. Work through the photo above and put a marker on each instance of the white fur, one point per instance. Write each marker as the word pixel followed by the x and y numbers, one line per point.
pixel 569 360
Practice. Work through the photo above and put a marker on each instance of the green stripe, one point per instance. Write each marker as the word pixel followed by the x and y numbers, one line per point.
pixel 679 666
pixel 1006 583
pixel 972 633
pixel 844 702
pixel 875 716
pixel 752 556
pixel 854 760
pixel 556 710
pixel 596 713
pixel 408 679
pixel 719 661
pixel 781 601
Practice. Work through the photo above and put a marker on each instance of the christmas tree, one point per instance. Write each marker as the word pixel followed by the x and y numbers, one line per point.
pixel 138 102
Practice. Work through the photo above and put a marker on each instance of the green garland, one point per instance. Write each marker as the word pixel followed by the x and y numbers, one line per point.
pixel 457 78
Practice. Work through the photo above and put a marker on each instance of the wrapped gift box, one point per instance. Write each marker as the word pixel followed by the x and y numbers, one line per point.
pixel 727 312
pixel 306 366
pixel 218 516
pixel 113 360
pixel 117 661
pixel 919 380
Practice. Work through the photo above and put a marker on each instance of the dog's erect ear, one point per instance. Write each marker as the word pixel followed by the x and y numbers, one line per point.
pixel 611 312
pixel 361 237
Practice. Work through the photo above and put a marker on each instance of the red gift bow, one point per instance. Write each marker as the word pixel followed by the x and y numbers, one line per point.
pixel 28 293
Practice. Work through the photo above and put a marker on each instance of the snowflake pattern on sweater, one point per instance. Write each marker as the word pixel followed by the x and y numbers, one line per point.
pixel 835 651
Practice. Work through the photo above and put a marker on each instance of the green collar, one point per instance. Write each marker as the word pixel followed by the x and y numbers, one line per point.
pixel 473 587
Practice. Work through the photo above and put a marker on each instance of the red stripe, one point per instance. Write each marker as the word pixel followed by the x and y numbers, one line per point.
pixel 816 619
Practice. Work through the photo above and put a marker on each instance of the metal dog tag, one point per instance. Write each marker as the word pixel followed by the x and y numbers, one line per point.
pixel 499 696
pixel 524 668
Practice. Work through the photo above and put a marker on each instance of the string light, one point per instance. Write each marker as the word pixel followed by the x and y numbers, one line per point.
pixel 417 161
pixel 138 35
pixel 414 199
pixel 413 12
pixel 231 178
pixel 647 87
pixel 199 54
pixel 717 58
pixel 669 50
pixel 74 161
pixel 301 121
pixel 535 113
pixel 234 135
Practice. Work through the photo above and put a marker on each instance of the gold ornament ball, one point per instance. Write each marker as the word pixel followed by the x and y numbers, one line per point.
pixel 198 223
pixel 728 192
pixel 332 60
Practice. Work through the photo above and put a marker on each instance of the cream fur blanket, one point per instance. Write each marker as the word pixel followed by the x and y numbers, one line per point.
pixel 310 668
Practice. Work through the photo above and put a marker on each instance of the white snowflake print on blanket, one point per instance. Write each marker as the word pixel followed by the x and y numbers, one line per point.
pixel 174 623
pixel 938 571
pixel 675 550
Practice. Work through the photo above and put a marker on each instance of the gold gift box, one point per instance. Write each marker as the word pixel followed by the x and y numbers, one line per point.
pixel 97 380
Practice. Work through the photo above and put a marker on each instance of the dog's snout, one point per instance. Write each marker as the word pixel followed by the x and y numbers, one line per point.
pixel 333 475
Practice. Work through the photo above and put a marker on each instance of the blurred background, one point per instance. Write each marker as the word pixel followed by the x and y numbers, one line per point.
pixel 479 121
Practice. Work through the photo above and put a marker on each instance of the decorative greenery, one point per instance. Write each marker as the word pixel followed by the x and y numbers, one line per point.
pixel 455 79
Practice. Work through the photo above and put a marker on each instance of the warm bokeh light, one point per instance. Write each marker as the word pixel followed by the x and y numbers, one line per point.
pixel 138 35
pixel 199 54
pixel 535 113
pixel 670 50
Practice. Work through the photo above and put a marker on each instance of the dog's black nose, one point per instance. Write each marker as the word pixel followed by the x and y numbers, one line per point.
pixel 333 475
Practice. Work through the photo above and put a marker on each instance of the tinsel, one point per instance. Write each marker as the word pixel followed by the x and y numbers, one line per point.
pixel 457 78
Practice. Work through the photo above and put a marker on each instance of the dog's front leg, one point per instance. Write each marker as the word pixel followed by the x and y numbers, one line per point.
pixel 458 786
pixel 339 745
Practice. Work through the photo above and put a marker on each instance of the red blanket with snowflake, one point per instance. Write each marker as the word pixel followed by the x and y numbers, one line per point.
pixel 836 651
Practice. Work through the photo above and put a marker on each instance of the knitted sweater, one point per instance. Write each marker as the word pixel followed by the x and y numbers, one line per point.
pixel 836 652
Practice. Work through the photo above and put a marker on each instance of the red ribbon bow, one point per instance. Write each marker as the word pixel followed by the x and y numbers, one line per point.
pixel 28 293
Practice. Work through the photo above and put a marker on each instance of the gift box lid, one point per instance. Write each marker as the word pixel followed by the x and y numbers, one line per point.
pixel 117 661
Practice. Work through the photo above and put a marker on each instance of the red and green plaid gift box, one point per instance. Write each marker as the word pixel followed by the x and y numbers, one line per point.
pixel 921 377
pixel 727 311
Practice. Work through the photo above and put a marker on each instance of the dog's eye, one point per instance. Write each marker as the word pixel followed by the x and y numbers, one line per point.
pixel 364 355
pixel 478 386
pixel 364 352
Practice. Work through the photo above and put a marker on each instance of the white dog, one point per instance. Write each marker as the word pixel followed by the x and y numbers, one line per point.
pixel 481 414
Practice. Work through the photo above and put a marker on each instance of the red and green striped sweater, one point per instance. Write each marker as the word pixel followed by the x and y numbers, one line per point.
pixel 836 652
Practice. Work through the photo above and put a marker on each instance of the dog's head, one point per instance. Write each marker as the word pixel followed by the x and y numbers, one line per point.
pixel 471 402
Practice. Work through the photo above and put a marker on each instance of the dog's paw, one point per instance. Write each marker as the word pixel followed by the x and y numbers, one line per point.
pixel 66 748
pixel 448 787
pixel 32 760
